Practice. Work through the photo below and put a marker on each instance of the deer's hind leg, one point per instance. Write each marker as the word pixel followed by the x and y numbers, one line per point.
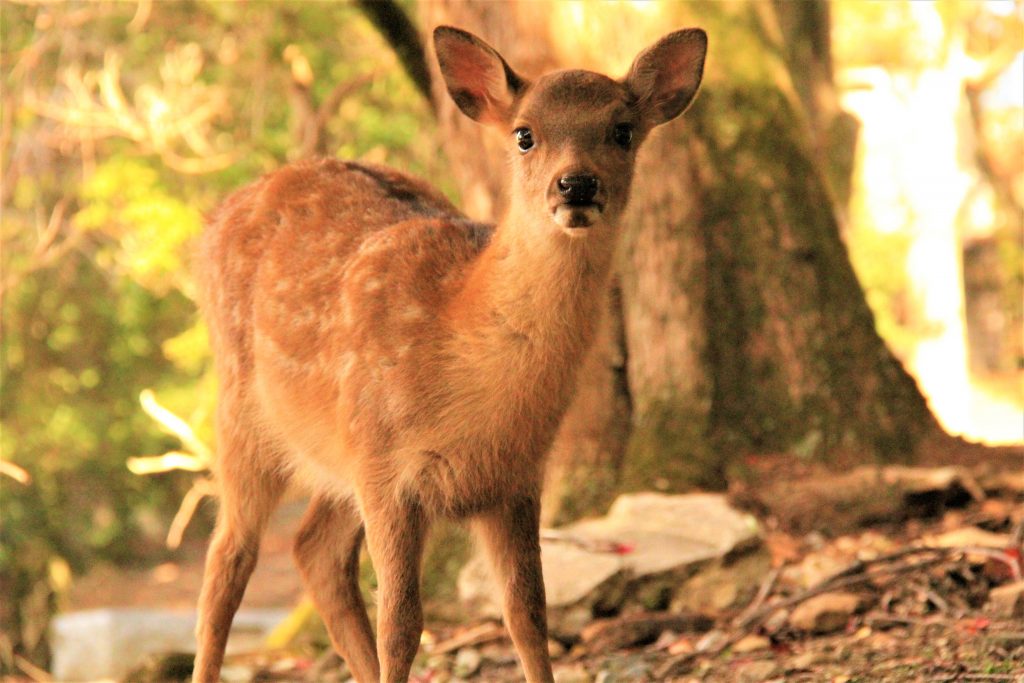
pixel 249 491
pixel 327 553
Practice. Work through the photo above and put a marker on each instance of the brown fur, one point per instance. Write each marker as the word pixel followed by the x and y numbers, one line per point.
pixel 404 362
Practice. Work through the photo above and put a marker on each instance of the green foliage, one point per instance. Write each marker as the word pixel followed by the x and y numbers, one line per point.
pixel 151 226
pixel 123 135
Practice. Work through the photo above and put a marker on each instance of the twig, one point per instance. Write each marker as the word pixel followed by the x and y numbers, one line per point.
pixel 484 633
pixel 762 594
pixel 314 123
pixel 16 473
pixel 201 488
pixel 31 670
pixel 861 565
pixel 1017 537
pixel 856 574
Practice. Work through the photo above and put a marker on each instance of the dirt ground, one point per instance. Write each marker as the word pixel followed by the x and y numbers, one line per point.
pixel 918 582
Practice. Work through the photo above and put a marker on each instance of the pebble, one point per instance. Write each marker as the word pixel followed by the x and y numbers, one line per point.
pixel 572 674
pixel 751 643
pixel 756 672
pixel 824 613
pixel 1007 602
pixel 467 662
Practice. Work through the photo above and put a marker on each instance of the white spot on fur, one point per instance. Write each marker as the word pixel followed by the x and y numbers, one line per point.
pixel 346 365
pixel 412 313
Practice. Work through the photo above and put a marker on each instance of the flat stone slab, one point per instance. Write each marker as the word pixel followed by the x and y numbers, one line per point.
pixel 668 532
pixel 596 561
pixel 104 644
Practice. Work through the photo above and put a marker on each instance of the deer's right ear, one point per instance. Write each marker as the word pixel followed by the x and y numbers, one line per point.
pixel 478 79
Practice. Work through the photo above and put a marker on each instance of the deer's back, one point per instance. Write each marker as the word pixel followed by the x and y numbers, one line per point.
pixel 321 279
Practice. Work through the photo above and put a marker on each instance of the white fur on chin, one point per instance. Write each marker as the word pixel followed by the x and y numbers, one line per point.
pixel 576 219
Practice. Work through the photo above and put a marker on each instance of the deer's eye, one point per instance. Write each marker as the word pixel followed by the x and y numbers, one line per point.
pixel 524 138
pixel 623 134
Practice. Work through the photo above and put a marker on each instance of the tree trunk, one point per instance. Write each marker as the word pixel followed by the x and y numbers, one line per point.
pixel 736 324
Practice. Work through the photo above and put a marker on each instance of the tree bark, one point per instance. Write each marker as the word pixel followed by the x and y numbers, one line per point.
pixel 736 325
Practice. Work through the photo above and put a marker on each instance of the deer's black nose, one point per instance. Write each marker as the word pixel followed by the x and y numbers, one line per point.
pixel 578 189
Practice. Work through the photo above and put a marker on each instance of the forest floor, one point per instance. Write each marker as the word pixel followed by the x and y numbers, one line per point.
pixel 862 588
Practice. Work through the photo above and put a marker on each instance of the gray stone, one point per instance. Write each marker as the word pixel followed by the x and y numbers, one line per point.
pixel 108 643
pixel 644 538
pixel 667 532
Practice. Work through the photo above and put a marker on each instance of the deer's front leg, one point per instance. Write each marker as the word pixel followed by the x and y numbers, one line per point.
pixel 395 531
pixel 511 536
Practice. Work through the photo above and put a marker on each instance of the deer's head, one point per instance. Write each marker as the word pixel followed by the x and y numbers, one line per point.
pixel 572 135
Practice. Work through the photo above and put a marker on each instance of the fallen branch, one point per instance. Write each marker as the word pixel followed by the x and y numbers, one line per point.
pixel 478 635
pixel 762 594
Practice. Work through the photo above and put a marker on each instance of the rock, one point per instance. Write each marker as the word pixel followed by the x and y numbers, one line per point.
pixel 711 640
pixel 848 501
pixel 1007 602
pixel 667 532
pixel 969 536
pixel 775 621
pixel 646 544
pixel 814 568
pixel 575 580
pixel 756 672
pixel 175 666
pixel 824 613
pixel 722 584
pixel 804 661
pixel 501 654
pixel 681 646
pixel 108 643
pixel 624 670
pixel 751 643
pixel 572 674
pixel 1007 482
pixel 555 649
pixel 467 662
pixel 932 480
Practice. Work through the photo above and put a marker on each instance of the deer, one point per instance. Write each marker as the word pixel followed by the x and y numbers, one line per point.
pixel 403 363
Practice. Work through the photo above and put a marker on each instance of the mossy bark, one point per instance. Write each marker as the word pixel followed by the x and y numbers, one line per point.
pixel 737 325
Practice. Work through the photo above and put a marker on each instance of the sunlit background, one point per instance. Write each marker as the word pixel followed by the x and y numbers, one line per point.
pixel 123 122
pixel 936 225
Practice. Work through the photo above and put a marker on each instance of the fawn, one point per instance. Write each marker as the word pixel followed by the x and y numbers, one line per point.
pixel 404 362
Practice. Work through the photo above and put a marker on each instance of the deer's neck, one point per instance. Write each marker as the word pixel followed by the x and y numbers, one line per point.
pixel 537 288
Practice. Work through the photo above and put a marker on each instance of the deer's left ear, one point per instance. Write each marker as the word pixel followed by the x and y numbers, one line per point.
pixel 665 77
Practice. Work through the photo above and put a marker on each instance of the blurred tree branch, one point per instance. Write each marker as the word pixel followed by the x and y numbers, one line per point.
pixel 49 248
pixel 403 36
pixel 311 119
pixel 182 110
